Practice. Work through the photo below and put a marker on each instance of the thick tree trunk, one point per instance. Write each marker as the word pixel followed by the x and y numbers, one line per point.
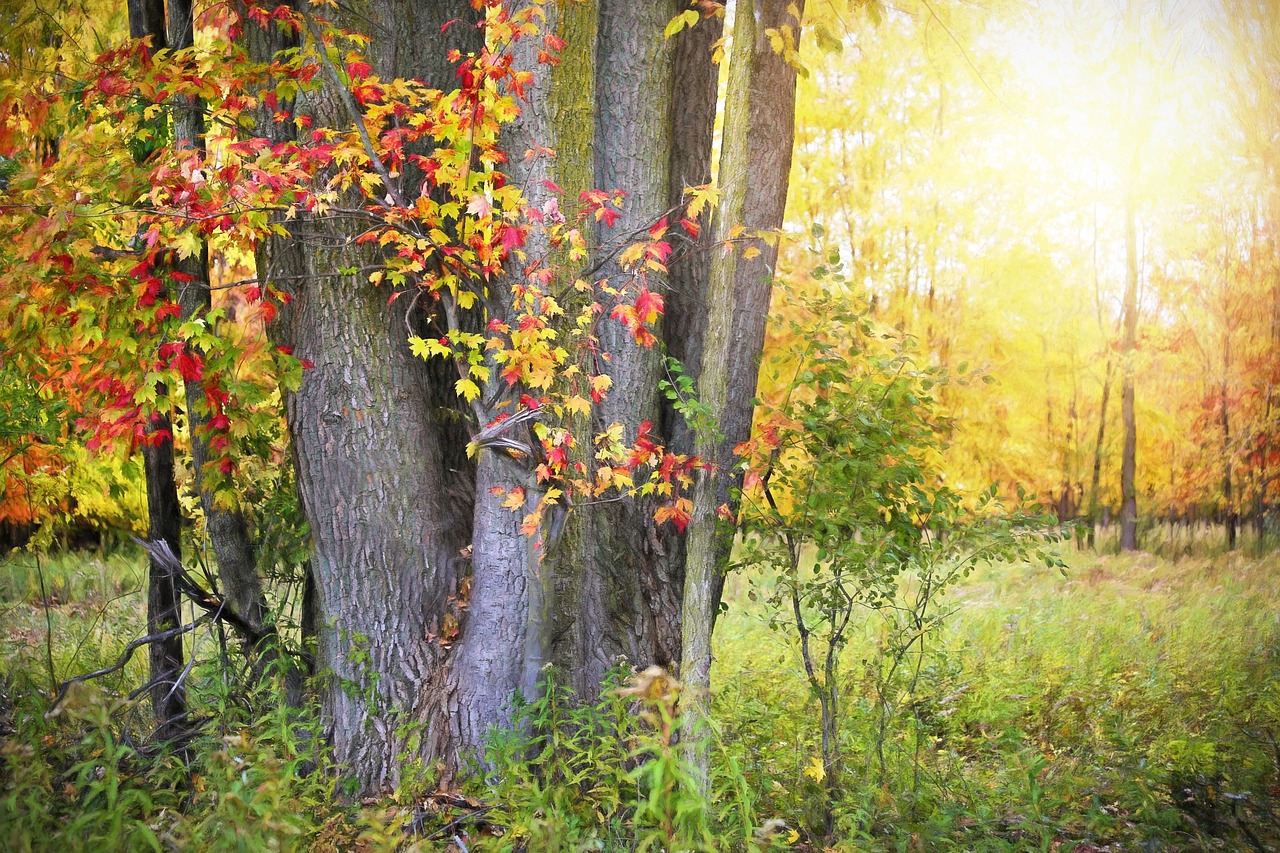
pixel 417 629
pixel 559 114
pixel 387 536
pixel 383 480
pixel 505 639
pixel 607 609
pixel 514 611
pixel 628 597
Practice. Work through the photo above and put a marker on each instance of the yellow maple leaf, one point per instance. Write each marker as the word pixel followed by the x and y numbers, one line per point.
pixel 700 198
pixel 631 255
pixel 815 770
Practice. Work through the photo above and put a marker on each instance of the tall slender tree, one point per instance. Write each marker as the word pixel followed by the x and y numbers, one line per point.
pixel 164 603
pixel 755 169
pixel 1129 345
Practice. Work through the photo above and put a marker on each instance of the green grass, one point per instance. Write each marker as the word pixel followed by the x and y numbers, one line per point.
pixel 74 612
pixel 69 577
pixel 1132 704
pixel 1135 700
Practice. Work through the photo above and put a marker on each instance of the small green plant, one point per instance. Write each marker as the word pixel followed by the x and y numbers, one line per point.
pixel 678 387
pixel 562 771
pixel 848 516
pixel 70 783
pixel 670 813
pixel 250 796
pixel 611 775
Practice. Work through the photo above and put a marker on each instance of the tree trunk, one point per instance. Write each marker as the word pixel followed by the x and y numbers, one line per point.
pixel 693 116
pixel 226 527
pixel 755 165
pixel 164 603
pixel 766 168
pixel 627 597
pixel 1232 517
pixel 713 387
pixel 1095 482
pixel 434 607
pixel 560 114
pixel 146 18
pixel 1094 498
pixel 387 535
pixel 389 506
pixel 514 611
pixel 1128 466
pixel 279 261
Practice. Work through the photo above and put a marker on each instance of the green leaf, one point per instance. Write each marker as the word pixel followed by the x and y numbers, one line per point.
pixel 425 348
pixel 687 18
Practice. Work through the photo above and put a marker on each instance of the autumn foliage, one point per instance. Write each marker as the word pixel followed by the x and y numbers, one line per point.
pixel 90 234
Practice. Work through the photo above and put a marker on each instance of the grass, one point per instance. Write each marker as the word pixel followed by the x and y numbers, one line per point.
pixel 1132 704
pixel 1135 701
pixel 69 613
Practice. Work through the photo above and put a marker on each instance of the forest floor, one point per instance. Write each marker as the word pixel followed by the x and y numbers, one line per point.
pixel 1130 703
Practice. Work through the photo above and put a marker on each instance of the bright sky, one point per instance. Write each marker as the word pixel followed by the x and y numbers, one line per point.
pixel 1092 83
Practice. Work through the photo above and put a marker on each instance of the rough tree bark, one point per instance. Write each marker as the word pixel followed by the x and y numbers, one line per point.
pixel 508 635
pixel 387 502
pixel 405 531
pixel 626 581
